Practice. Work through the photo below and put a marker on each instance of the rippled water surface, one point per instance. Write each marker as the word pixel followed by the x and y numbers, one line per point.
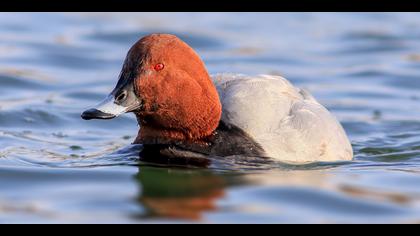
pixel 57 168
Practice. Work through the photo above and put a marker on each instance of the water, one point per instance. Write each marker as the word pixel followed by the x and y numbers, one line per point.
pixel 57 168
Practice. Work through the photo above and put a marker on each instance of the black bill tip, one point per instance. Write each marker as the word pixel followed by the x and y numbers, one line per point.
pixel 96 114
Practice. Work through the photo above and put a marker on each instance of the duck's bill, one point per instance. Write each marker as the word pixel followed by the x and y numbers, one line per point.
pixel 107 109
pixel 123 99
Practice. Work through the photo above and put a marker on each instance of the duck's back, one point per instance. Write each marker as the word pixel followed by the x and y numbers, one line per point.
pixel 287 122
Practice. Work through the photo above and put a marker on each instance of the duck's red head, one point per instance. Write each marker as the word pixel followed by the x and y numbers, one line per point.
pixel 165 83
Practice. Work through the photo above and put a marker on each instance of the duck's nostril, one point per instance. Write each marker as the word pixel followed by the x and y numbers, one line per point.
pixel 121 97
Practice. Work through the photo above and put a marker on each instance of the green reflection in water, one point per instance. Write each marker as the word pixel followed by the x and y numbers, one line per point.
pixel 182 193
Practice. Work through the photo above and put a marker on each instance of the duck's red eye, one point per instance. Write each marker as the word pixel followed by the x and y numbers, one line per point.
pixel 159 67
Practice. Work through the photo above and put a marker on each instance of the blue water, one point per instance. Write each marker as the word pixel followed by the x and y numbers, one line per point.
pixel 57 168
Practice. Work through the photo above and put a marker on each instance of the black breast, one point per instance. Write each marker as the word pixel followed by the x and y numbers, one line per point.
pixel 230 140
pixel 227 140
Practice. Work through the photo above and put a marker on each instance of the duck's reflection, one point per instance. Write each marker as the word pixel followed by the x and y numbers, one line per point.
pixel 182 193
pixel 188 194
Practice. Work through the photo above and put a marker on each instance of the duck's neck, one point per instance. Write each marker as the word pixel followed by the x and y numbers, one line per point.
pixel 156 128
pixel 155 135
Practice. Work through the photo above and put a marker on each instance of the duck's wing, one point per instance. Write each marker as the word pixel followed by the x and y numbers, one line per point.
pixel 287 122
pixel 255 104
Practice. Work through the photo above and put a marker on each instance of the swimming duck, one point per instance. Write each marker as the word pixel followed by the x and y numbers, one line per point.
pixel 184 113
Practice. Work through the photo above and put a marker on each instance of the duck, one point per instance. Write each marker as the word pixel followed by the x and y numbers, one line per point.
pixel 184 114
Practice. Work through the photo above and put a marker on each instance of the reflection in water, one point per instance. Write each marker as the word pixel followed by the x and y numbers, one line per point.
pixel 187 194
pixel 182 193
pixel 191 195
